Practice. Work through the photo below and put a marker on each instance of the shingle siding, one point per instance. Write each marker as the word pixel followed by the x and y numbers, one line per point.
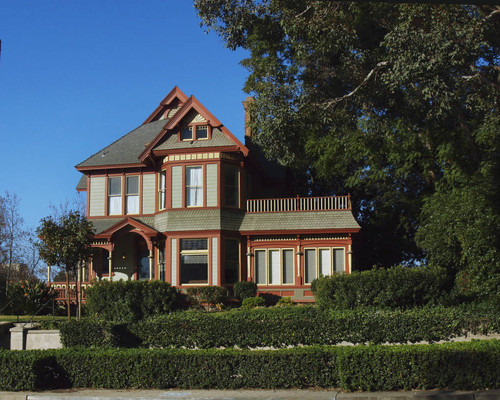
pixel 97 196
pixel 176 187
pixel 148 193
pixel 212 189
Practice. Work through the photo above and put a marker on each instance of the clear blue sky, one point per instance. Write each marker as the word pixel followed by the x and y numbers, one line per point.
pixel 77 75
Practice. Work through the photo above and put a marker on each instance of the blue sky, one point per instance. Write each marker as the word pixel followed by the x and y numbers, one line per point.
pixel 77 75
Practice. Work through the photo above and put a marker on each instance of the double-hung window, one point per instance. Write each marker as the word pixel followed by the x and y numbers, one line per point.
pixel 323 261
pixel 274 266
pixel 194 186
pixel 195 132
pixel 194 261
pixel 132 194
pixel 162 190
pixel 115 195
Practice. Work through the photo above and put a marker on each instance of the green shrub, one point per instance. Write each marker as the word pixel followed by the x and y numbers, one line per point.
pixel 396 287
pixel 285 302
pixel 454 366
pixel 245 289
pixel 210 295
pixel 283 327
pixel 126 301
pixel 252 302
pixel 28 297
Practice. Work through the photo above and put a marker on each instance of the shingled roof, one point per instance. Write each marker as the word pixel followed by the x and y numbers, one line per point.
pixel 127 149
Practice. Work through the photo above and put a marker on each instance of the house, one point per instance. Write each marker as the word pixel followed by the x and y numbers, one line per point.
pixel 182 200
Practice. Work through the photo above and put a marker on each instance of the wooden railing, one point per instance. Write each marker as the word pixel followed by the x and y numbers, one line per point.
pixel 60 289
pixel 326 203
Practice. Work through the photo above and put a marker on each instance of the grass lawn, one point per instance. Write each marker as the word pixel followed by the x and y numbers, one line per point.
pixel 25 318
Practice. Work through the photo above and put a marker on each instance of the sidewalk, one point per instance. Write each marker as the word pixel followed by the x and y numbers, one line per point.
pixel 89 394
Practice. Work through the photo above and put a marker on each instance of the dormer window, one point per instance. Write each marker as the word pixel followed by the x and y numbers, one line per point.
pixel 195 132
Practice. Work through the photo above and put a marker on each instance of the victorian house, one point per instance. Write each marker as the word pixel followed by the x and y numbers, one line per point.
pixel 182 200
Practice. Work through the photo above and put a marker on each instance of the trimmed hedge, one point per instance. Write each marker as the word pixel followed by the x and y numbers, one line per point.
pixel 396 287
pixel 127 301
pixel 283 327
pixel 245 289
pixel 464 366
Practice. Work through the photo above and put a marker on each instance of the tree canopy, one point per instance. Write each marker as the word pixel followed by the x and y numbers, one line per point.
pixel 395 103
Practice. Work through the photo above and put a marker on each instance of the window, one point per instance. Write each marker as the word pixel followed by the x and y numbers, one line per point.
pixel 231 186
pixel 162 190
pixel 194 261
pixel 201 132
pixel 274 266
pixel 194 186
pixel 323 261
pixel 132 195
pixel 232 261
pixel 195 132
pixel 115 196
pixel 187 133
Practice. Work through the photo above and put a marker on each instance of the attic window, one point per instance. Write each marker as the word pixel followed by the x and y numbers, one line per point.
pixel 195 132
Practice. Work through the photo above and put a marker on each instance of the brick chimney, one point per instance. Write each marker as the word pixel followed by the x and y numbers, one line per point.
pixel 246 103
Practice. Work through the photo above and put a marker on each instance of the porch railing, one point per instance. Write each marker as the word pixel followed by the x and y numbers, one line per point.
pixel 61 291
pixel 325 203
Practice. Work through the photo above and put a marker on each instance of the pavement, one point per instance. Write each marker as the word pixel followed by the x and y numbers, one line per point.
pixel 91 394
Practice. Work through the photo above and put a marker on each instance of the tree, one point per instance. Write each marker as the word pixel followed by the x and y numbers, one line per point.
pixel 12 233
pixel 65 241
pixel 393 103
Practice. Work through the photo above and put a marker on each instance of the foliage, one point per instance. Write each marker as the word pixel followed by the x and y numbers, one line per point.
pixel 395 103
pixel 396 287
pixel 245 289
pixel 28 297
pixel 285 302
pixel 126 301
pixel 284 327
pixel 206 295
pixel 454 366
pixel 252 302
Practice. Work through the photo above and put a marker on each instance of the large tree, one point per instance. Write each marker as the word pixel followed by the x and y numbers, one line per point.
pixel 397 104
pixel 65 241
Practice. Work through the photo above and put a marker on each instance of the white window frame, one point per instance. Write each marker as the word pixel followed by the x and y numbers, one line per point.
pixel 162 189
pixel 194 252
pixel 112 198
pixel 131 195
pixel 268 267
pixel 199 187
pixel 318 268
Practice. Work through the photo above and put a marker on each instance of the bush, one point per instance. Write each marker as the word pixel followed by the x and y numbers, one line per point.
pixel 283 327
pixel 285 302
pixel 252 302
pixel 245 289
pixel 396 287
pixel 454 366
pixel 127 301
pixel 209 295
pixel 28 297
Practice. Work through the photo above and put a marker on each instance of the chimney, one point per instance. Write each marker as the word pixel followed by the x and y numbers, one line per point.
pixel 246 104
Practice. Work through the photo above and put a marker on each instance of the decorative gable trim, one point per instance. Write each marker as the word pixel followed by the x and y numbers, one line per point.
pixel 133 224
pixel 191 104
pixel 175 93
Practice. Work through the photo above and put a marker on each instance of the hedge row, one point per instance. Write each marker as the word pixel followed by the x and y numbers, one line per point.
pixel 395 287
pixel 283 327
pixel 127 301
pixel 465 366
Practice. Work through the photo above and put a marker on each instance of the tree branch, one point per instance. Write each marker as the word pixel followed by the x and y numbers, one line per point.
pixel 380 65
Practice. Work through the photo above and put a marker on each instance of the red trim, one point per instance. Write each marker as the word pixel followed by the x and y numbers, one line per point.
pixel 174 93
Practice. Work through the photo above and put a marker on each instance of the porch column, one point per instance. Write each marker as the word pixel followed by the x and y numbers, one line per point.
pixel 349 258
pixel 48 274
pixel 91 268
pixel 150 264
pixel 110 264
pixel 299 276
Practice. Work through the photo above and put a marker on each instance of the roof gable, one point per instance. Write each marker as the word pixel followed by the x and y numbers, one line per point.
pixel 192 104
pixel 168 106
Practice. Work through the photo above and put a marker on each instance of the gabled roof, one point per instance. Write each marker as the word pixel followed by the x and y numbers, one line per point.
pixel 191 104
pixel 129 223
pixel 135 147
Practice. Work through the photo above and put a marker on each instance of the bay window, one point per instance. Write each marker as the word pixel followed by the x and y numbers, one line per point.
pixel 162 190
pixel 132 195
pixel 194 261
pixel 323 261
pixel 274 266
pixel 194 186
pixel 115 195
